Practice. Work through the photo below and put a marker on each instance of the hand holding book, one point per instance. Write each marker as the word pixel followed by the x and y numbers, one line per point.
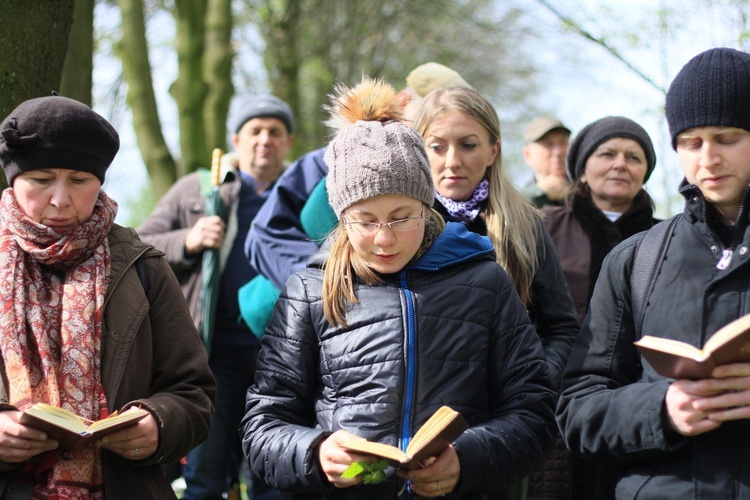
pixel 442 428
pixel 73 431
pixel 679 360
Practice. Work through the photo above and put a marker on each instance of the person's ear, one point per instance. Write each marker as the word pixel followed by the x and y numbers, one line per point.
pixel 526 152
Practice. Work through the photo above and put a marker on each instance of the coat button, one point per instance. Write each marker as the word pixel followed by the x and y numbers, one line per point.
pixel 743 250
pixel 714 249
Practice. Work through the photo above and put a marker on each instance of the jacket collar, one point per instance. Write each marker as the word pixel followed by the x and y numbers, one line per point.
pixel 698 209
pixel 454 245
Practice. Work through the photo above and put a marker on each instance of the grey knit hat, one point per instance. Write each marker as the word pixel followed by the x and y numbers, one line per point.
pixel 712 89
pixel 375 155
pixel 263 106
pixel 56 132
pixel 600 131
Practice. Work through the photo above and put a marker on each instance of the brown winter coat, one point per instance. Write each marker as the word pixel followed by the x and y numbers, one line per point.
pixel 151 356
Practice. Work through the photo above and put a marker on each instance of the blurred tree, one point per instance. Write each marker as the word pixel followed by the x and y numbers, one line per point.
pixel 32 63
pixel 217 71
pixel 311 44
pixel 189 89
pixel 201 90
pixel 79 59
pixel 307 46
pixel 132 50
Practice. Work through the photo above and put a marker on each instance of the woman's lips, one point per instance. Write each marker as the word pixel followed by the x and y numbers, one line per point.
pixel 386 257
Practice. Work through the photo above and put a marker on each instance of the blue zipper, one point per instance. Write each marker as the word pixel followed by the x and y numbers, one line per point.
pixel 411 361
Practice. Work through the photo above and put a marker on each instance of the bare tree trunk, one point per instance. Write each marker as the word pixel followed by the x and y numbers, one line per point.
pixel 133 52
pixel 189 90
pixel 79 60
pixel 34 37
pixel 217 71
pixel 282 29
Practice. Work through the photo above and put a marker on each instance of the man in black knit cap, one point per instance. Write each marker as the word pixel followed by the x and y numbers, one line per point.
pixel 676 438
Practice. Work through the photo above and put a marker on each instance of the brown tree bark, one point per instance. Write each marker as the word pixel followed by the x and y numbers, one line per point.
pixel 189 89
pixel 217 72
pixel 34 37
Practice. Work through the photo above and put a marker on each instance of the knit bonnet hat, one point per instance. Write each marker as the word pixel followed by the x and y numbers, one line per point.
pixel 712 89
pixel 600 131
pixel 373 153
pixel 56 132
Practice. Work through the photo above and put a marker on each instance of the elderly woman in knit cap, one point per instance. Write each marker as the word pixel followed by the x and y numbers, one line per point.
pixel 403 314
pixel 93 321
pixel 609 161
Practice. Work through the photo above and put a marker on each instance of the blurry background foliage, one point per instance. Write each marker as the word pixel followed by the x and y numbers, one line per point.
pixel 168 73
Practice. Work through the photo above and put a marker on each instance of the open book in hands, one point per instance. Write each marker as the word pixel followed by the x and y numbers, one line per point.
pixel 440 430
pixel 73 431
pixel 679 360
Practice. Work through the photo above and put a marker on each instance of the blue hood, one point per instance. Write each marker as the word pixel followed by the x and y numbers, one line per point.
pixel 455 244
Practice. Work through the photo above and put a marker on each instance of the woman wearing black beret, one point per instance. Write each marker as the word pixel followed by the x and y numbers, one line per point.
pixel 92 320
pixel 609 161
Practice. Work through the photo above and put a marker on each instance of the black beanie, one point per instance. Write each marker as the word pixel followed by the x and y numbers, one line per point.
pixel 711 90
pixel 597 132
pixel 56 132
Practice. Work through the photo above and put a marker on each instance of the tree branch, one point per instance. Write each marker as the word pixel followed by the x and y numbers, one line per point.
pixel 572 24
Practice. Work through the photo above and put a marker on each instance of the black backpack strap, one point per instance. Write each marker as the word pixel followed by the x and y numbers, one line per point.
pixel 649 255
pixel 140 268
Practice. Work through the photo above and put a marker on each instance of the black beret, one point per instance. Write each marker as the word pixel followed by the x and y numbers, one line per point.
pixel 56 132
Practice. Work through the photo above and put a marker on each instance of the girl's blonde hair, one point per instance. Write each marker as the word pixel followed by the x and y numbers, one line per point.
pixel 513 223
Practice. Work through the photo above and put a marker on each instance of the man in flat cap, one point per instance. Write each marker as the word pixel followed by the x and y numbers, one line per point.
pixel 262 135
pixel 545 147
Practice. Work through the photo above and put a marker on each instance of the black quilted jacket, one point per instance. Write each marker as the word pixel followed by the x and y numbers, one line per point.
pixel 448 330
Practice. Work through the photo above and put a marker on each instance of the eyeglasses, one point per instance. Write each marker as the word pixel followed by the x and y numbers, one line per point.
pixel 398 226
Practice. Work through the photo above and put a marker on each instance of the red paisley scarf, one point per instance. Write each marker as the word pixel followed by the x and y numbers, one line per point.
pixel 52 288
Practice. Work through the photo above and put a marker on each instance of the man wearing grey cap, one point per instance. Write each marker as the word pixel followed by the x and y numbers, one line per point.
pixel 545 147
pixel 262 134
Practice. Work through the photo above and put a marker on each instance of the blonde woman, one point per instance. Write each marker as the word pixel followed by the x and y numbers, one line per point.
pixel 461 131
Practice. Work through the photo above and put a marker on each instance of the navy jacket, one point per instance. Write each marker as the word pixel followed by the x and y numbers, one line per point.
pixel 277 245
pixel 612 407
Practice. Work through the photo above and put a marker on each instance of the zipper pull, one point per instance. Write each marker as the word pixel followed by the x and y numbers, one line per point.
pixel 726 259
